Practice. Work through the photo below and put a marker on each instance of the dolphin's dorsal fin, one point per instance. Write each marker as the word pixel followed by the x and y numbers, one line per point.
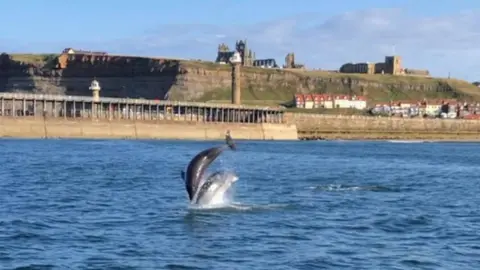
pixel 183 175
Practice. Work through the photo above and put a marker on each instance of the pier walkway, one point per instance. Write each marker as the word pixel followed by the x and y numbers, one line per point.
pixel 61 106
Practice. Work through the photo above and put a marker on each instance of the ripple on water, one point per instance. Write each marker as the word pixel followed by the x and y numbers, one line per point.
pixel 100 204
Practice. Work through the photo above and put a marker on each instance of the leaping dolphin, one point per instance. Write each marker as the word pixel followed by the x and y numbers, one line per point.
pixel 193 176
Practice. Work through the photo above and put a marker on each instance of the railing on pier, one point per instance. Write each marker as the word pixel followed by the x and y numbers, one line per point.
pixel 21 104
pixel 27 96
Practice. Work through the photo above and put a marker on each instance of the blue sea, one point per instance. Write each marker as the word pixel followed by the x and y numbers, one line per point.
pixel 119 204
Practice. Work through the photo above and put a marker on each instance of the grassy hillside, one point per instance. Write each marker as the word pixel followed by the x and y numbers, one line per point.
pixel 36 59
pixel 378 88
pixel 250 96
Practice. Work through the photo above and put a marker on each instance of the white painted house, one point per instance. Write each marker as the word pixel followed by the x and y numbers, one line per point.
pixel 433 108
pixel 299 101
pixel 308 101
pixel 358 102
pixel 341 101
pixel 323 101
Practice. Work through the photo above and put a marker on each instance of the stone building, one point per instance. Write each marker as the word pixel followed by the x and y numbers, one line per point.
pixel 75 51
pixel 245 53
pixel 265 63
pixel 290 62
pixel 367 68
pixel 392 65
pixel 418 72
pixel 224 53
pixel 249 59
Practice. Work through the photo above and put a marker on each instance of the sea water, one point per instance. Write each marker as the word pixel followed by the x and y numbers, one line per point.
pixel 118 204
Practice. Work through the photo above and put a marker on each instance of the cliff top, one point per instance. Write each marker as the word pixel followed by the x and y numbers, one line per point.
pixel 380 87
pixel 44 59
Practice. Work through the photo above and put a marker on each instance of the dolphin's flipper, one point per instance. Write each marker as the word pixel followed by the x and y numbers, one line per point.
pixel 183 175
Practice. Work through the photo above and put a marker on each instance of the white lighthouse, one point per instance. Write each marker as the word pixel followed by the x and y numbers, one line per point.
pixel 95 88
pixel 236 62
pixel 236 58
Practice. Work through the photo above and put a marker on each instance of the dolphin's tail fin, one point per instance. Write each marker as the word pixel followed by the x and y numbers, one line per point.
pixel 229 141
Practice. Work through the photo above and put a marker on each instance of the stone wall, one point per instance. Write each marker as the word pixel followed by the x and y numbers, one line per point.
pixel 26 127
pixel 309 122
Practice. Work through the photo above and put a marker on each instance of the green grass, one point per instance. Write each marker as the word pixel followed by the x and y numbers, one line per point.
pixel 47 61
pixel 37 59
pixel 269 96
pixel 379 88
pixel 376 78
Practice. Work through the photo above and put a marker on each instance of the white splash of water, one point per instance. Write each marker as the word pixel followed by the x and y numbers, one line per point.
pixel 221 199
pixel 236 206
pixel 340 187
pixel 337 187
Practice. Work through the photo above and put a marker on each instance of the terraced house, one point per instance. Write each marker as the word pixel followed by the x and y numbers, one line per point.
pixel 329 101
pixel 444 108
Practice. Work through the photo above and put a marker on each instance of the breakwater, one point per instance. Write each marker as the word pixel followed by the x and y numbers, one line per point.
pixel 364 127
pixel 44 116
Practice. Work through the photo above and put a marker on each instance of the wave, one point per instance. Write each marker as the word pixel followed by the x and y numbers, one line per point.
pixel 340 187
pixel 408 141
pixel 236 206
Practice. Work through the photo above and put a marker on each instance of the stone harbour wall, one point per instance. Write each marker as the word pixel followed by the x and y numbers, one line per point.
pixel 312 122
pixel 31 127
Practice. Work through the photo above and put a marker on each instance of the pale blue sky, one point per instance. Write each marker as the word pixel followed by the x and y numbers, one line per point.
pixel 322 33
